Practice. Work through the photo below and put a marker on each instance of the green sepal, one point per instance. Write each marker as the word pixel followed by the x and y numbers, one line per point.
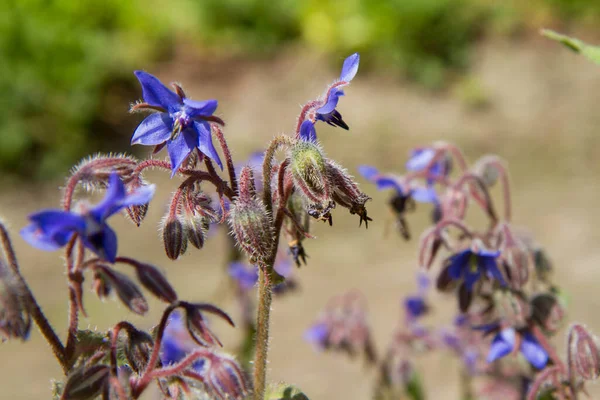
pixel 284 391
pixel 590 52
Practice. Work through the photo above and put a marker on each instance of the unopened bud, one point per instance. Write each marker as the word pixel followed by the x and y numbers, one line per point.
pixel 138 349
pixel 429 246
pixel 346 193
pixel 15 320
pixel 250 223
pixel 173 237
pixel 224 378
pixel 86 383
pixel 126 289
pixel 93 172
pixel 152 279
pixel 486 169
pixel 548 312
pixel 197 327
pixel 196 228
pixel 101 285
pixel 583 352
pixel 137 213
pixel 513 309
pixel 309 173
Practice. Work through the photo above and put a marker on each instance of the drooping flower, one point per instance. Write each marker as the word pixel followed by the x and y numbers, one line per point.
pixel 473 263
pixel 385 181
pixel 52 229
pixel 421 158
pixel 507 339
pixel 327 112
pixel 182 125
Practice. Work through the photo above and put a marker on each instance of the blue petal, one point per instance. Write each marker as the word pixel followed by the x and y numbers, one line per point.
pixel 332 101
pixel 488 253
pixel 181 147
pixel 140 196
pixel 317 334
pixel 153 130
pixel 458 264
pixel 156 94
pixel 36 238
pixel 415 306
pixel 111 203
pixel 283 267
pixel 103 243
pixel 533 351
pixel 489 265
pixel 419 159
pixel 471 277
pixel 246 277
pixel 502 345
pixel 368 172
pixel 205 143
pixel 200 108
pixel 308 132
pixel 424 195
pixel 350 68
pixel 170 351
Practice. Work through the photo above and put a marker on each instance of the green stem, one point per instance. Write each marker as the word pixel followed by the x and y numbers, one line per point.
pixel 262 333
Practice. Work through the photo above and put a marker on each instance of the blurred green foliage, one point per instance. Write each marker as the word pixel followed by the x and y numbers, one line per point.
pixel 63 61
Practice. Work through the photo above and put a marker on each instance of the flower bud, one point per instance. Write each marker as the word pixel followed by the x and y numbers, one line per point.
pixel 548 312
pixel 309 174
pixel 126 290
pixel 346 193
pixel 197 327
pixel 429 246
pixel 86 383
pixel 93 172
pixel 224 378
pixel 583 352
pixel 485 168
pixel 154 281
pixel 195 229
pixel 250 223
pixel 138 349
pixel 100 285
pixel 15 319
pixel 174 237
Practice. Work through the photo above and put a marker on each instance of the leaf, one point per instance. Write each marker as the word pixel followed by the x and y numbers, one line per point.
pixel 283 391
pixel 590 52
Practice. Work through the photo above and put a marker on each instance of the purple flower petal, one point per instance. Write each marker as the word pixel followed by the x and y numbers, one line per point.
pixel 415 306
pixel 205 143
pixel 36 238
pixel 419 159
pixel 350 68
pixel 368 172
pixel 332 101
pixel 103 243
pixel 52 229
pixel 424 195
pixel 181 147
pixel 308 132
pixel 502 345
pixel 245 277
pixel 317 334
pixel 458 264
pixel 471 277
pixel 153 130
pixel 195 108
pixel 156 94
pixel 489 265
pixel 111 203
pixel 283 267
pixel 533 351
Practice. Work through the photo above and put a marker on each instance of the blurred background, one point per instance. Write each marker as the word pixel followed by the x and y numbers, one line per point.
pixel 473 72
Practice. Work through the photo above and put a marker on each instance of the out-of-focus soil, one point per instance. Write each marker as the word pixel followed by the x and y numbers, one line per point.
pixel 543 119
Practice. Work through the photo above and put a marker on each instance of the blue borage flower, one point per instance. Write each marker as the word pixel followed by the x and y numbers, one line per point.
pixel 384 181
pixel 327 112
pixel 416 305
pixel 246 276
pixel 419 160
pixel 318 335
pixel 182 125
pixel 473 263
pixel 509 339
pixel 52 229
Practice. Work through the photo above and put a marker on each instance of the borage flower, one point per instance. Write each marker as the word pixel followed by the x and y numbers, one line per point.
pixel 246 276
pixel 471 264
pixel 182 124
pixel 508 340
pixel 416 306
pixel 420 159
pixel 327 112
pixel 52 229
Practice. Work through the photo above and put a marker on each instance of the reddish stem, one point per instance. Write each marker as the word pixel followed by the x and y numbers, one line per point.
pixel 228 158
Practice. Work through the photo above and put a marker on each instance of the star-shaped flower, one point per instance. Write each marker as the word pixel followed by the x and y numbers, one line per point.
pixel 52 229
pixel 384 181
pixel 182 124
pixel 472 263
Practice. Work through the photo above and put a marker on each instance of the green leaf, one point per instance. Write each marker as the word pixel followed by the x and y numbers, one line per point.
pixel 414 388
pixel 589 51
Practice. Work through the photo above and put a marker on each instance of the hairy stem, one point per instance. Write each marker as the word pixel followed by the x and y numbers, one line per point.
pixel 36 312
pixel 262 332
pixel 227 153
pixel 277 142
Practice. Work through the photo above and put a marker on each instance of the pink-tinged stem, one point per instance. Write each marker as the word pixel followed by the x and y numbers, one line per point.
pixel 453 222
pixel 228 158
pixel 495 162
pixel 570 369
pixel 485 203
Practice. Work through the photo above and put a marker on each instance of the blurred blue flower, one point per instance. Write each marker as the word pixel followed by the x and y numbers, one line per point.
pixel 470 264
pixel 505 341
pixel 420 194
pixel 51 229
pixel 420 159
pixel 317 335
pixel 177 342
pixel 182 125
pixel 246 275
pixel 327 111
pixel 416 306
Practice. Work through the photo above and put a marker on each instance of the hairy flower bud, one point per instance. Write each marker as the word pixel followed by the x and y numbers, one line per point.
pixel 86 383
pixel 486 169
pixel 224 378
pixel 173 236
pixel 309 174
pixel 345 191
pixel 584 352
pixel 154 281
pixel 15 320
pixel 250 222
pixel 547 312
pixel 138 349
pixel 93 172
pixel 126 290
